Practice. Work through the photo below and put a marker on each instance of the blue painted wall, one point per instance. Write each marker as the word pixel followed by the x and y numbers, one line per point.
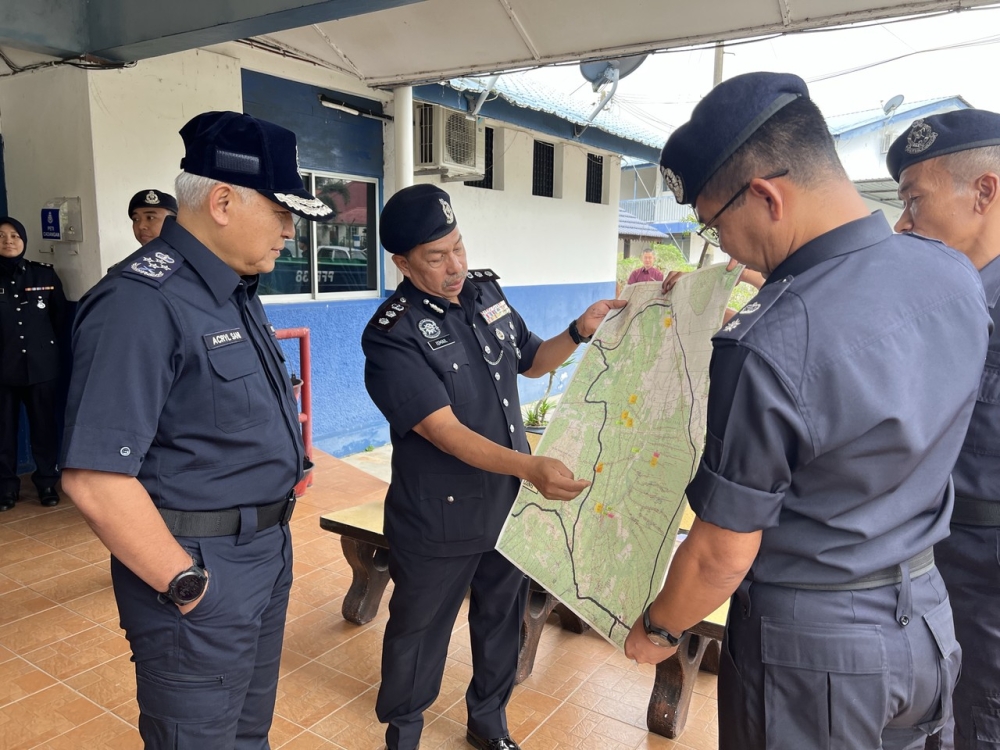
pixel 344 418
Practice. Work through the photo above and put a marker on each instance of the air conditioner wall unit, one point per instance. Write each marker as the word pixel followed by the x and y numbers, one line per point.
pixel 448 144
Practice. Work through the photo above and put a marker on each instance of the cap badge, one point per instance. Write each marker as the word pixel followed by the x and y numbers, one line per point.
pixel 429 328
pixel 152 198
pixel 675 183
pixel 920 137
pixel 449 214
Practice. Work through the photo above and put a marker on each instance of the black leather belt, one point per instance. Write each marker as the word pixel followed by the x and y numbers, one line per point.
pixel 972 512
pixel 204 523
pixel 918 564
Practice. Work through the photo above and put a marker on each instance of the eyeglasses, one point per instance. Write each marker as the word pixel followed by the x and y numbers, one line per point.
pixel 708 231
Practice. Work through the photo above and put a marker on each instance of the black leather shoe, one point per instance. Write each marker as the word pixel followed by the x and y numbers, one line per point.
pixel 48 497
pixel 7 501
pixel 500 743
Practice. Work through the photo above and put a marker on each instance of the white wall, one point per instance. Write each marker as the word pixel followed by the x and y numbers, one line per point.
pixel 531 240
pixel 48 153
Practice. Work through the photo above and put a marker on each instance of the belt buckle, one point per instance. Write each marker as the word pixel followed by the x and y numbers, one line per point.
pixel 286 515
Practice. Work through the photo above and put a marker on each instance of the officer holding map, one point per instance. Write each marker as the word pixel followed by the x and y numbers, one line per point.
pixel 838 404
pixel 442 358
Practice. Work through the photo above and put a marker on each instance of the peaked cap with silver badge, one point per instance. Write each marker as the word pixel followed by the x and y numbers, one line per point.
pixel 938 135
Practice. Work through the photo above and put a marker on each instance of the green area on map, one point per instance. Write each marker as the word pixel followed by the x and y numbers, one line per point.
pixel 632 421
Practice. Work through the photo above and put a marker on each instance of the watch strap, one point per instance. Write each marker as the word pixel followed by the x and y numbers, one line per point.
pixel 652 630
pixel 574 333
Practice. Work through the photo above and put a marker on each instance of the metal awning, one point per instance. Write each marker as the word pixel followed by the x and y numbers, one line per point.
pixel 883 191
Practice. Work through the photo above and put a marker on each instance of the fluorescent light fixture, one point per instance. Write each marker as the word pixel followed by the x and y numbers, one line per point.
pixel 337 106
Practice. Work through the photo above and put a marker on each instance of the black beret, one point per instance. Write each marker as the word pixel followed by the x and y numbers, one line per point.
pixel 415 215
pixel 721 123
pixel 942 134
pixel 242 150
pixel 152 199
pixel 18 227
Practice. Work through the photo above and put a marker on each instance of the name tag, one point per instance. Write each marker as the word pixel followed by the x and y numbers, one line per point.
pixel 224 338
pixel 440 343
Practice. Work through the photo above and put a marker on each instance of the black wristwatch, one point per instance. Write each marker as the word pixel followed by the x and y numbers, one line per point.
pixel 186 586
pixel 574 333
pixel 658 636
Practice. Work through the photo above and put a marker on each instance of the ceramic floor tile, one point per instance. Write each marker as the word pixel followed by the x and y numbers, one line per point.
pixel 109 685
pixel 66 669
pixel 41 629
pixel 42 567
pixel 22 603
pixel 19 679
pixel 88 579
pixel 106 732
pixel 43 717
pixel 78 653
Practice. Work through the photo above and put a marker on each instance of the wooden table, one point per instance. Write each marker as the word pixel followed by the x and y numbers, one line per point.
pixel 366 551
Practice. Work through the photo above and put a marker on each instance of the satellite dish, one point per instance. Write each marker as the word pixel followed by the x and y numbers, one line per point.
pixel 603 71
pixel 892 105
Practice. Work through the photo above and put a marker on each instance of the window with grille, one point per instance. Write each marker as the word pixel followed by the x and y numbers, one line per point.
pixel 543 169
pixel 487 181
pixel 595 178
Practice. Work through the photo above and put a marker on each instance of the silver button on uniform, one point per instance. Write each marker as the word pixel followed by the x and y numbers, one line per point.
pixel 512 428
pixel 450 498
pixel 496 375
pixel 506 403
pixel 454 365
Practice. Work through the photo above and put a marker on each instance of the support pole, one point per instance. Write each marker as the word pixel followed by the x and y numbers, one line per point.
pixel 403 130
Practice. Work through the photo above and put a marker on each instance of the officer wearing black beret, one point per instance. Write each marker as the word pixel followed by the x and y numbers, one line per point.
pixel 147 210
pixel 442 359
pixel 183 443
pixel 948 169
pixel 839 398
pixel 32 317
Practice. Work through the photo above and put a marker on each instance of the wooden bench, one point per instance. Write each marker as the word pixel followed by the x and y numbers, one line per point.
pixel 366 551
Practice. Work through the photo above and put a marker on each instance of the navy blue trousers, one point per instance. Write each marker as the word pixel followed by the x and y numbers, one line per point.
pixel 427 595
pixel 836 670
pixel 41 403
pixel 207 680
pixel 970 565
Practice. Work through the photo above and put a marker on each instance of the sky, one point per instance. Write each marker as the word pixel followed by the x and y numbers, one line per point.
pixel 944 55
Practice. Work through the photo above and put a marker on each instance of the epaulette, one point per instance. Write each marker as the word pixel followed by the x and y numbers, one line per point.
pixel 152 269
pixel 483 274
pixel 753 311
pixel 389 314
pixel 39 263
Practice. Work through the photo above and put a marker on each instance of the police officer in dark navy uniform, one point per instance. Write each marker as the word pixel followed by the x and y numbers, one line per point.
pixel 839 400
pixel 183 443
pixel 32 316
pixel 148 209
pixel 442 359
pixel 948 169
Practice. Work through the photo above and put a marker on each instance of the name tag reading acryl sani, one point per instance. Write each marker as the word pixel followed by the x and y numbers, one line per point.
pixel 224 338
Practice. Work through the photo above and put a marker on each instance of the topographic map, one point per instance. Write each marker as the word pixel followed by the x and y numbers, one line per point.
pixel 632 421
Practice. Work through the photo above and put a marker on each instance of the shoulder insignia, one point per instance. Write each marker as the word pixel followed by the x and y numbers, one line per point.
pixel 389 314
pixel 483 274
pixel 753 311
pixel 154 268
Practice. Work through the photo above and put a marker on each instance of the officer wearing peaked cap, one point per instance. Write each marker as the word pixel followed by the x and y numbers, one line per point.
pixel 183 444
pixel 442 359
pixel 148 209
pixel 948 169
pixel 837 405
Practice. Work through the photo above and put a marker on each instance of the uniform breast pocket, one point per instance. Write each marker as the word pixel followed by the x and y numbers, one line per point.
pixel 452 364
pixel 237 388
pixel 453 506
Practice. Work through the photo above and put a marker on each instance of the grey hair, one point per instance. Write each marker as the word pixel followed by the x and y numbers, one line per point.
pixel 192 190
pixel 971 164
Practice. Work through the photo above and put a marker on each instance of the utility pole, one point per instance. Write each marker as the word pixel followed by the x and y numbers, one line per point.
pixel 717 74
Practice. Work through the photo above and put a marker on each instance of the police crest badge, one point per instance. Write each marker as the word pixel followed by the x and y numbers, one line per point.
pixel 429 328
pixel 152 198
pixel 449 213
pixel 920 137
pixel 673 181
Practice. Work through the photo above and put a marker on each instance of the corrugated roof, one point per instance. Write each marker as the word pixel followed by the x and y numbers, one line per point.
pixel 630 226
pixel 843 123
pixel 521 90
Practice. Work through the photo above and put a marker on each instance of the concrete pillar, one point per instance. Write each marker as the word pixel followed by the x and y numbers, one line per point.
pixel 403 130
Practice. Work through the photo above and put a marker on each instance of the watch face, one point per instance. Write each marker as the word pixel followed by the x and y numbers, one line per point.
pixel 188 587
pixel 658 640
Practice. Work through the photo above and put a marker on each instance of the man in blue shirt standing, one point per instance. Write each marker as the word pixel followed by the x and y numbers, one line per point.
pixel 183 443
pixel 839 400
pixel 948 169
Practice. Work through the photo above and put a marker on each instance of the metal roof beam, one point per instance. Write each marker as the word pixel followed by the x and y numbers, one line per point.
pixel 123 30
